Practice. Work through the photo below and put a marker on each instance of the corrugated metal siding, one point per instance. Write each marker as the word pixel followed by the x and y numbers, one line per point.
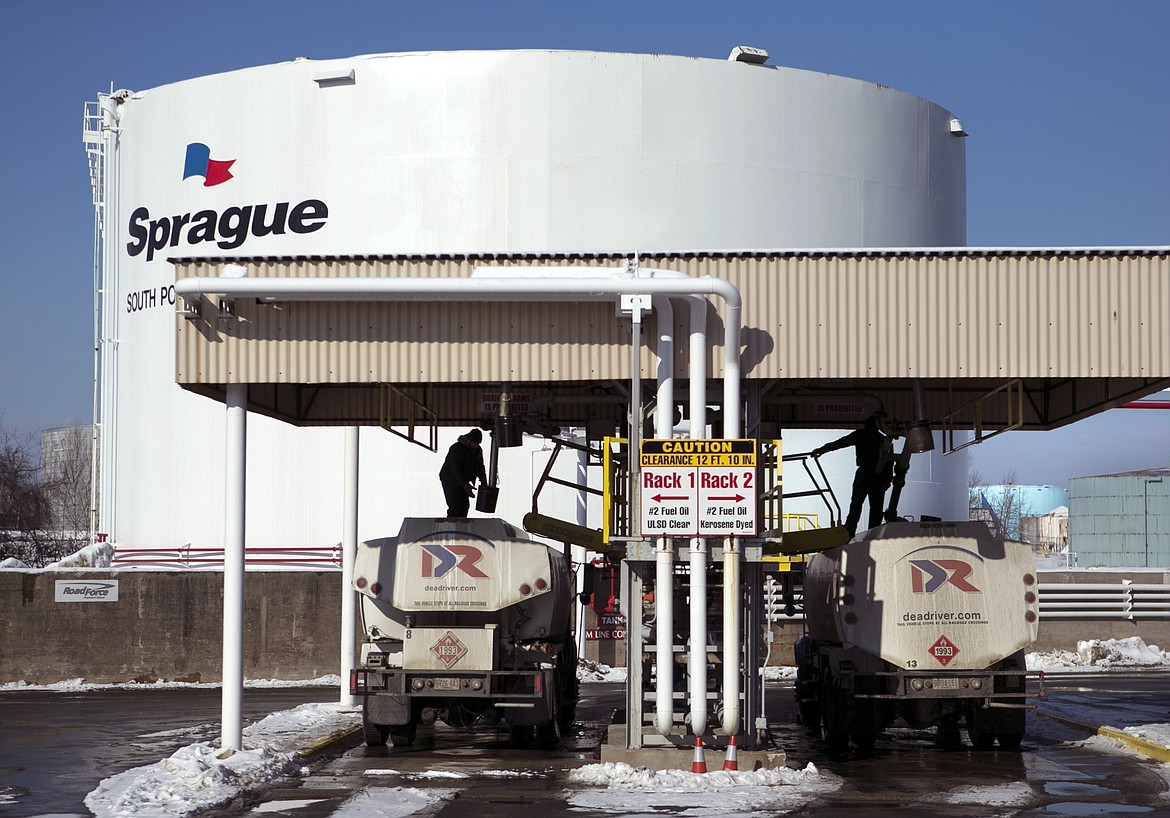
pixel 408 342
pixel 1121 520
pixel 1079 314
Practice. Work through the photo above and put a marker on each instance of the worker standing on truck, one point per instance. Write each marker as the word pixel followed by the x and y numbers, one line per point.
pixel 875 468
pixel 463 465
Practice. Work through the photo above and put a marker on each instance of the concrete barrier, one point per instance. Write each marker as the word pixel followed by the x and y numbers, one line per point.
pixel 164 625
pixel 169 625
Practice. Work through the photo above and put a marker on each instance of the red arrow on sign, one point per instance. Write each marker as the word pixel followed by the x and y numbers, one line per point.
pixel 736 498
pixel 658 498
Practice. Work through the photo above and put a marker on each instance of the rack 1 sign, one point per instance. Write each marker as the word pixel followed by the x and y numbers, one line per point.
pixel 698 488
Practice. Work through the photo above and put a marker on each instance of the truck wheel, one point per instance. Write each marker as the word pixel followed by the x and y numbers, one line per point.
pixel 568 688
pixel 376 735
pixel 520 736
pixel 835 717
pixel 977 728
pixel 1010 741
pixel 548 735
pixel 863 726
pixel 402 735
pixel 1011 728
pixel 810 715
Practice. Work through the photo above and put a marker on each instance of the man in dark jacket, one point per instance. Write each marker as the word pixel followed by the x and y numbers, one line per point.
pixel 464 464
pixel 875 468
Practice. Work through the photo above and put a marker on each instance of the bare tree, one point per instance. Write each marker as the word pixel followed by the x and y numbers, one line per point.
pixel 66 476
pixel 44 496
pixel 24 509
pixel 1000 506
pixel 974 494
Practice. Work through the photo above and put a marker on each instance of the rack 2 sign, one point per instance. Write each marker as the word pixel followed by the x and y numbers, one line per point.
pixel 698 488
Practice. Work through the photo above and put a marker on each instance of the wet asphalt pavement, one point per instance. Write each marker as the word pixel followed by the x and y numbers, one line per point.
pixel 56 747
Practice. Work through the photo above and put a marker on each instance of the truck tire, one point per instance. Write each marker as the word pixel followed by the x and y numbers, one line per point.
pixel 548 735
pixel 520 736
pixel 834 716
pixel 402 735
pixel 376 735
pixel 978 728
pixel 569 691
pixel 863 725
pixel 810 715
pixel 1010 729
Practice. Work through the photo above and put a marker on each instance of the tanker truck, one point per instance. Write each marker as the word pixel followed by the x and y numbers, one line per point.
pixel 467 622
pixel 923 621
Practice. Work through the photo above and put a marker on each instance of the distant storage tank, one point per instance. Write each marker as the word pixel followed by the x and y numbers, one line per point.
pixel 451 153
pixel 1120 520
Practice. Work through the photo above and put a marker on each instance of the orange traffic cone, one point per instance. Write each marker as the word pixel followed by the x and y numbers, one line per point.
pixel 698 764
pixel 730 762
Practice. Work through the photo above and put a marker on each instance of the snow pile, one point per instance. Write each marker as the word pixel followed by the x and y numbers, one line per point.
pixel 1101 653
pixel 98 555
pixel 1132 651
pixel 619 789
pixel 1155 733
pixel 590 671
pixel 201 777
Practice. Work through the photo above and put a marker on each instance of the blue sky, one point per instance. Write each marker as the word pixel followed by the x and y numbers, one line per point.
pixel 1067 103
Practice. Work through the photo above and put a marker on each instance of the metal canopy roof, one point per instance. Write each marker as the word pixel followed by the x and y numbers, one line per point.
pixel 1027 337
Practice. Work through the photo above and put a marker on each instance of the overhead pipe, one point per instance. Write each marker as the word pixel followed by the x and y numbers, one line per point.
pixel 481 287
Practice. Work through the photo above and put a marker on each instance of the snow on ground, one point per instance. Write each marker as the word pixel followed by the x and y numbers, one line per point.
pixel 195 778
pixel 1094 654
pixel 200 777
pixel 620 789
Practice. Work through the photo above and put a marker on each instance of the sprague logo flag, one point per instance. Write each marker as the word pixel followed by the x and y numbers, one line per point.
pixel 199 163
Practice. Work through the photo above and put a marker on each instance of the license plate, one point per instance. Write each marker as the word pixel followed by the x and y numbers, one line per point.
pixel 446 684
pixel 942 684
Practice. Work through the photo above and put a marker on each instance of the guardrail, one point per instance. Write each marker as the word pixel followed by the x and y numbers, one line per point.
pixel 1123 600
pixel 1120 600
pixel 307 558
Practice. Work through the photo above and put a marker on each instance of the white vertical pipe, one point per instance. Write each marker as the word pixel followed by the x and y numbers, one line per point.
pixel 635 703
pixel 235 484
pixel 732 610
pixel 664 404
pixel 732 614
pixel 349 538
pixel 579 553
pixel 698 371
pixel 732 422
pixel 664 554
pixel 664 636
pixel 697 658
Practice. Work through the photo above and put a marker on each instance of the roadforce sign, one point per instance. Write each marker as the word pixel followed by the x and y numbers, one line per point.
pixel 698 488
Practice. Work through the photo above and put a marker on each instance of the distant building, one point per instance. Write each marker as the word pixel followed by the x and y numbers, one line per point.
pixel 1005 508
pixel 66 475
pixel 1121 520
pixel 1049 532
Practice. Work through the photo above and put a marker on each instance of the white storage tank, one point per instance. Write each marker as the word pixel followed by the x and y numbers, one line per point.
pixel 451 153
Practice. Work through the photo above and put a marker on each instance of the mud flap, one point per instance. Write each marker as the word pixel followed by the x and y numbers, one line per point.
pixel 388 709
